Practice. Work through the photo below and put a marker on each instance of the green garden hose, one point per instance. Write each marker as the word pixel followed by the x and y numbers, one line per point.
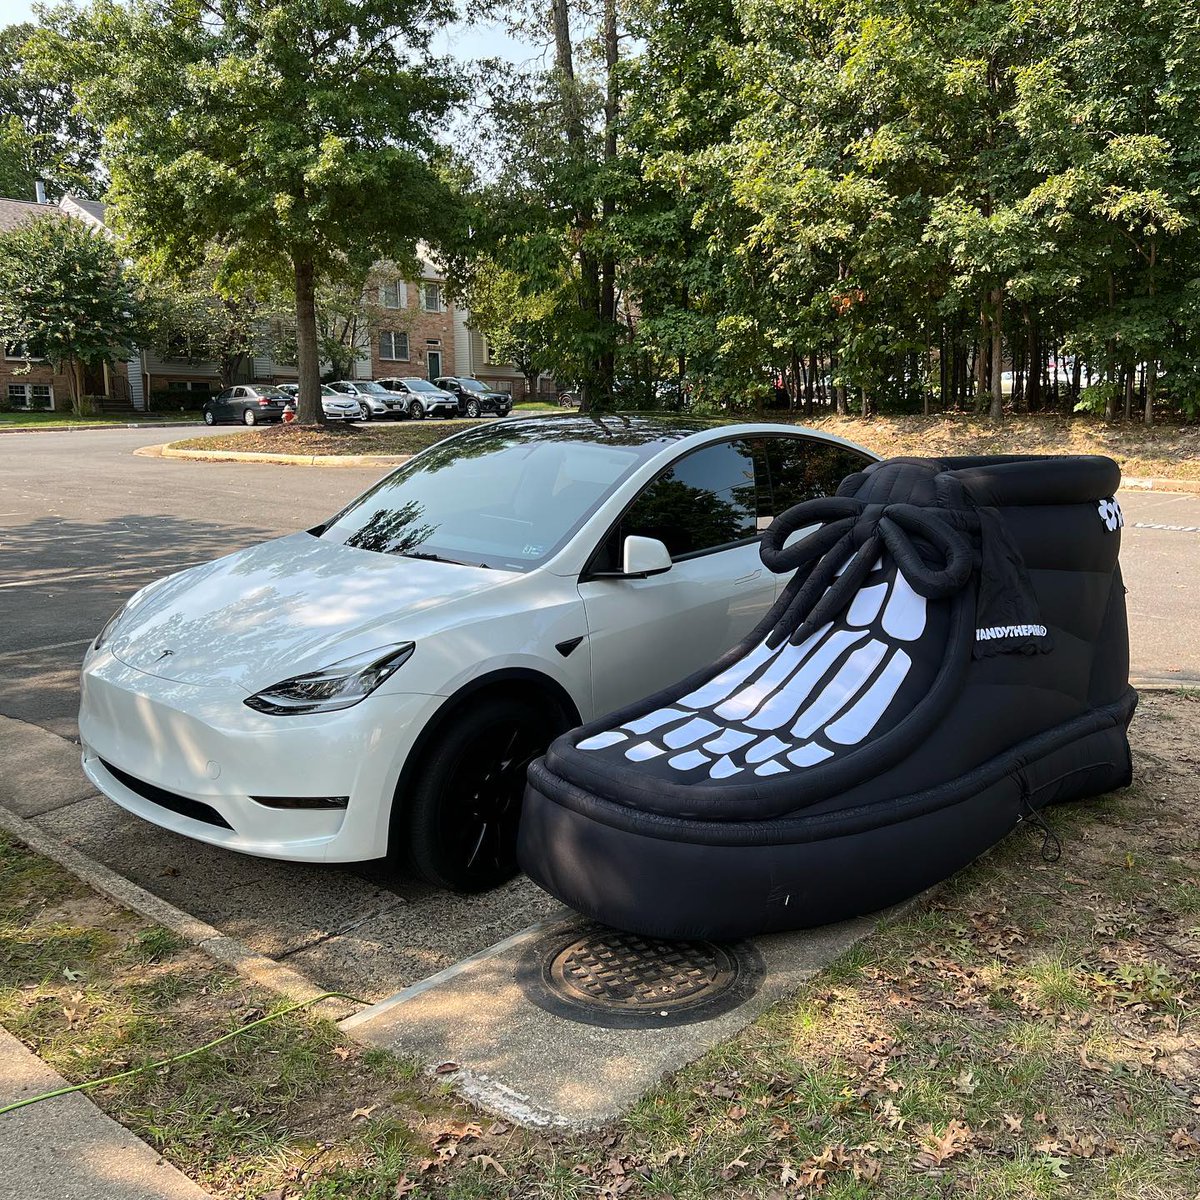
pixel 165 1062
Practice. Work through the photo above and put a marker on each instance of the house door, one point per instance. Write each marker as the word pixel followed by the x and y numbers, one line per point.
pixel 94 383
pixel 435 364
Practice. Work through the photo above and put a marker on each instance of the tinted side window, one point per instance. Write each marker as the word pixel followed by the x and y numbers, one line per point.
pixel 705 501
pixel 803 469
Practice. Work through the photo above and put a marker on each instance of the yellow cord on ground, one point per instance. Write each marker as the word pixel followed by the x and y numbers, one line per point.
pixel 165 1062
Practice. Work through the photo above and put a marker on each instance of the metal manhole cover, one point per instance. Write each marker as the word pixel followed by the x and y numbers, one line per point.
pixel 619 980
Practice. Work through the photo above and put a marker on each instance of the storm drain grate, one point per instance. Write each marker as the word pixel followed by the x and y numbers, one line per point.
pixel 619 980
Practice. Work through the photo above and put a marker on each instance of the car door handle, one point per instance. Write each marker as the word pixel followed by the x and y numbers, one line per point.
pixel 747 578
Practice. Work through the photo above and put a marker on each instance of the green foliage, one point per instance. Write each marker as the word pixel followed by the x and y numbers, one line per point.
pixel 208 314
pixel 299 137
pixel 42 135
pixel 939 203
pixel 67 296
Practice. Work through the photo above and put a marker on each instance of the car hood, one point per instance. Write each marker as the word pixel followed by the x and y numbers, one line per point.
pixel 284 607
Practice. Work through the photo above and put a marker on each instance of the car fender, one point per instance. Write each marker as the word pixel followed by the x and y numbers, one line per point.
pixel 493 678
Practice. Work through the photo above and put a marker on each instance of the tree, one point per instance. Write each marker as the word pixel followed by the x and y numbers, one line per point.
pixel 518 325
pixel 299 136
pixel 67 296
pixel 42 135
pixel 204 314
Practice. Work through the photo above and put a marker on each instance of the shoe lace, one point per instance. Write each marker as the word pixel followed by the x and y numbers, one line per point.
pixel 838 556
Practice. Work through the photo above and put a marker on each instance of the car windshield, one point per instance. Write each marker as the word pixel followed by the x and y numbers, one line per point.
pixel 504 496
pixel 372 389
pixel 272 393
pixel 420 385
pixel 472 385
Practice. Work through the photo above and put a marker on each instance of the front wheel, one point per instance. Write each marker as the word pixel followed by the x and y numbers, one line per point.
pixel 209 419
pixel 464 811
pixel 364 410
pixel 249 416
pixel 416 410
pixel 472 408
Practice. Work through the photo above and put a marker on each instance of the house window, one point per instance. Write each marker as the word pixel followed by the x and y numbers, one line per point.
pixel 394 294
pixel 432 297
pixel 31 395
pixel 393 346
pixel 18 350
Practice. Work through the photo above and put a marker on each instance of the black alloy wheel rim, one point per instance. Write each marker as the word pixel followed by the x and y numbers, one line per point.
pixel 473 409
pixel 481 802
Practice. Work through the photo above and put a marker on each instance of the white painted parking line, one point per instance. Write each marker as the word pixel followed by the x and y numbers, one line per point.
pixel 1169 528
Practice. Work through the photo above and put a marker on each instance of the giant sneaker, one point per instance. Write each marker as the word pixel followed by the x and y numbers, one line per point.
pixel 949 658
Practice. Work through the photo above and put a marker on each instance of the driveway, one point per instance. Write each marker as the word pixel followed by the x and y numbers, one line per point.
pixel 83 523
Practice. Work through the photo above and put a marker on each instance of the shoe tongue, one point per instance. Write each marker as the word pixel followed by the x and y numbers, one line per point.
pixel 900 481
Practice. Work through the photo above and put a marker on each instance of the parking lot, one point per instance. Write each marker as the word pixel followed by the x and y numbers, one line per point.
pixel 83 523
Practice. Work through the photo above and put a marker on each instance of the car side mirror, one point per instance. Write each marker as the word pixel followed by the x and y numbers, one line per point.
pixel 642 556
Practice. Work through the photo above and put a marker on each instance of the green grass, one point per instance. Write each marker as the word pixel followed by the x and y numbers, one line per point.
pixel 1029 1034
pixel 41 420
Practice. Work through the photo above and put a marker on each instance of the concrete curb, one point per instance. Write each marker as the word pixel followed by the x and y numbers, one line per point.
pixel 168 450
pixel 98 425
pixel 1189 486
pixel 229 951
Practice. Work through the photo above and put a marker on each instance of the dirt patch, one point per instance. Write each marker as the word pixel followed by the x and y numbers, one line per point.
pixel 1167 451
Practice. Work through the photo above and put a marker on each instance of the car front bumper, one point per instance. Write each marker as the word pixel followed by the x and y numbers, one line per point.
pixel 191 759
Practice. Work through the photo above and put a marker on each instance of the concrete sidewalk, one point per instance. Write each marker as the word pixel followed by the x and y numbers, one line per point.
pixel 67 1149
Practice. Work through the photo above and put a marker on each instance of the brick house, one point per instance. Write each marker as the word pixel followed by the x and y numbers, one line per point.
pixel 35 385
pixel 411 326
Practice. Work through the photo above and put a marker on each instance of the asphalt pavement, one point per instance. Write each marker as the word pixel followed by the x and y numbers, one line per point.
pixel 84 523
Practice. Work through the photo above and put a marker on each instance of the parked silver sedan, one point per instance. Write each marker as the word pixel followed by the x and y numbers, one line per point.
pixel 336 406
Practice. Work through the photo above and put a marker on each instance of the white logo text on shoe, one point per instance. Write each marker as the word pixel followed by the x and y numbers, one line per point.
pixel 1110 514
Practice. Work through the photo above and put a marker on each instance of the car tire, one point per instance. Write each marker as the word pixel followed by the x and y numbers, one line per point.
pixel 364 410
pixel 461 819
pixel 209 419
pixel 416 410
pixel 249 416
pixel 472 408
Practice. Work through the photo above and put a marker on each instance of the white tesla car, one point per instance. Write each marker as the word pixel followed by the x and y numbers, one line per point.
pixel 380 682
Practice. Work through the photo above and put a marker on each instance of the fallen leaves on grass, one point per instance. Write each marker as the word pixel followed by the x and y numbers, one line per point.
pixel 956 1139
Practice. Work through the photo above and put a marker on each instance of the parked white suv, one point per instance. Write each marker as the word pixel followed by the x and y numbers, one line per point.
pixel 382 681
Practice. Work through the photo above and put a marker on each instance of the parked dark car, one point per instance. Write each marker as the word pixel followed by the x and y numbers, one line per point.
pixel 248 403
pixel 475 397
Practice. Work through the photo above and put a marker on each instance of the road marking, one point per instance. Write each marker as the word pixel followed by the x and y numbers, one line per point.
pixel 1170 528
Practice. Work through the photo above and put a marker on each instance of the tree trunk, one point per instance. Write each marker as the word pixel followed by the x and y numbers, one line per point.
pixel 996 412
pixel 608 266
pixel 309 410
pixel 1076 376
pixel 1151 389
pixel 1033 388
pixel 981 358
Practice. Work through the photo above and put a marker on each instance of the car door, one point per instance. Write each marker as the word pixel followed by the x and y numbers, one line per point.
pixel 799 469
pixel 646 634
pixel 220 405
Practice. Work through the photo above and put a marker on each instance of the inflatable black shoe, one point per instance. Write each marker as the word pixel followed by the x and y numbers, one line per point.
pixel 950 658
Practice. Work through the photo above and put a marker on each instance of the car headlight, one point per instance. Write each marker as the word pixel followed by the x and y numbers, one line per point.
pixel 341 685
